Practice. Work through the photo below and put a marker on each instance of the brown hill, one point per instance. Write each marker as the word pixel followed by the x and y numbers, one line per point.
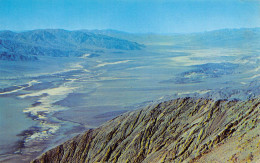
pixel 181 130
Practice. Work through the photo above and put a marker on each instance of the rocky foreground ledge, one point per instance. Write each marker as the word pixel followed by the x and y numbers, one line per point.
pixel 181 130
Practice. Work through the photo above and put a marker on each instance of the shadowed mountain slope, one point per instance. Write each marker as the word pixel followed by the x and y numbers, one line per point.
pixel 57 43
pixel 188 129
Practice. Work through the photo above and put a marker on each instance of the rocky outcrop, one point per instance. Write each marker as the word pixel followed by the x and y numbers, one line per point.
pixel 181 130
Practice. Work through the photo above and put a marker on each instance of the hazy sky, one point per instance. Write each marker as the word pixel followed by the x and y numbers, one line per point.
pixel 159 16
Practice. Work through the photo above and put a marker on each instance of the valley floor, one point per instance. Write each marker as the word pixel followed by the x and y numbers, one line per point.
pixel 48 101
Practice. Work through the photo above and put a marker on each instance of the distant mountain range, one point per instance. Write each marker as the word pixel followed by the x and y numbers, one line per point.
pixel 233 38
pixel 238 38
pixel 57 42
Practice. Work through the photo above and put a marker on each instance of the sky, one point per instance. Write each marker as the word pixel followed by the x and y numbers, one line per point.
pixel 136 16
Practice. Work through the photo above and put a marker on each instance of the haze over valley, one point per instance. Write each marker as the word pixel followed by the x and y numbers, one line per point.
pixel 57 83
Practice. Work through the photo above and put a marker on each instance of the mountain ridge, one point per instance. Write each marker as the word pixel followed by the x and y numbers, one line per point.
pixel 58 43
pixel 230 38
pixel 181 130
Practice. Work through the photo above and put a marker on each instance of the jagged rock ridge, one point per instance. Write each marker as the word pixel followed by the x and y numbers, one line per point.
pixel 181 130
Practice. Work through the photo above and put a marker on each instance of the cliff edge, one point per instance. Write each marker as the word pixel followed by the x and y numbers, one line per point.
pixel 181 130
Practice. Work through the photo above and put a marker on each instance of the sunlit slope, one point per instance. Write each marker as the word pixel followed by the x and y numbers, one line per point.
pixel 178 130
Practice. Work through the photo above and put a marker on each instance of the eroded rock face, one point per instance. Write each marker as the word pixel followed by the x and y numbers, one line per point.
pixel 181 130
